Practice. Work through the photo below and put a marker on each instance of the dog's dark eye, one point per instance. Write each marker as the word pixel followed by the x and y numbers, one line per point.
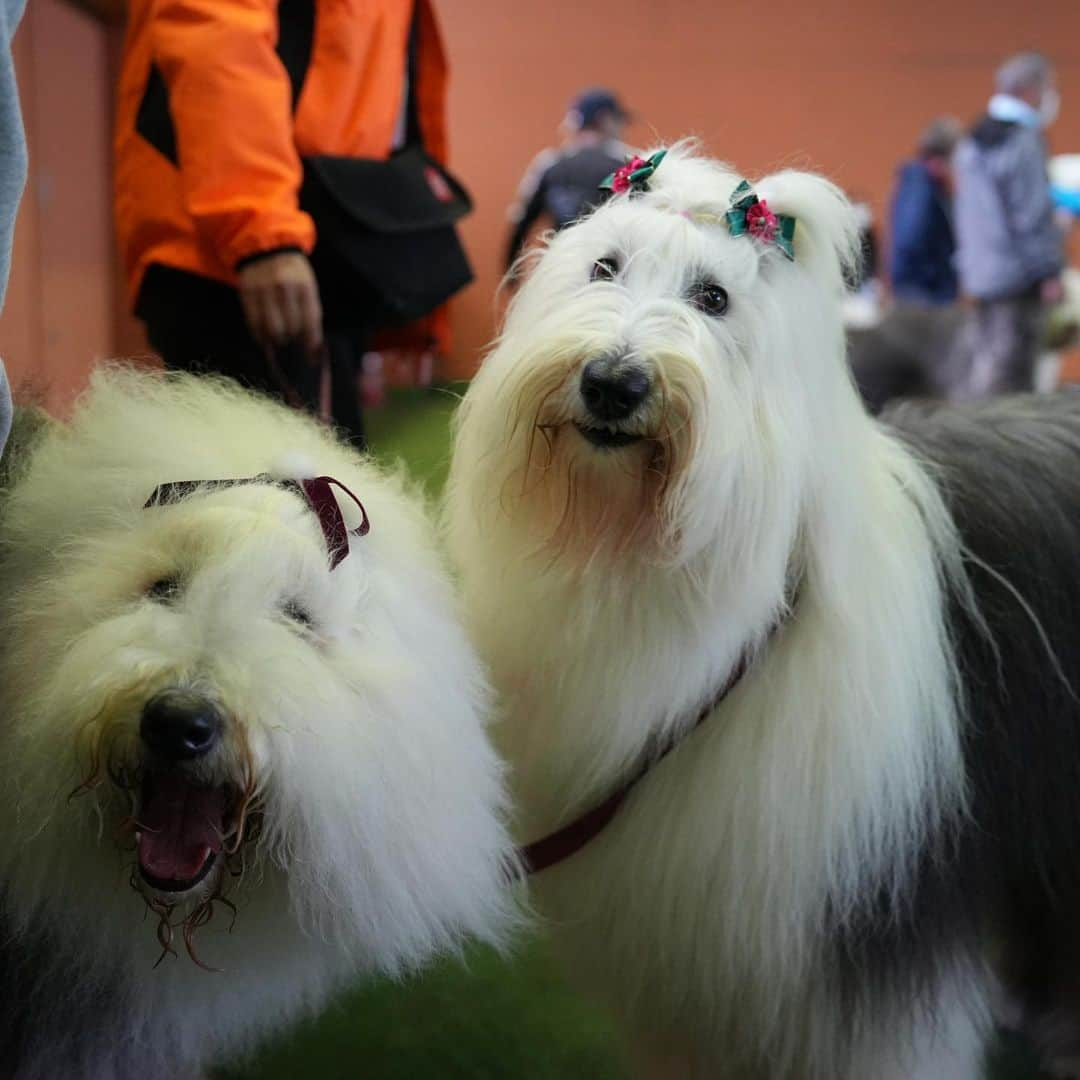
pixel 708 297
pixel 606 269
pixel 297 613
pixel 165 590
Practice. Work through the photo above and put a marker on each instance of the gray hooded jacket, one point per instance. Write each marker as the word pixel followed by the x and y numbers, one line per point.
pixel 1007 238
pixel 12 172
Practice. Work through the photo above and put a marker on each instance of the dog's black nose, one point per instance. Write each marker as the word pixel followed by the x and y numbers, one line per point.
pixel 179 725
pixel 612 390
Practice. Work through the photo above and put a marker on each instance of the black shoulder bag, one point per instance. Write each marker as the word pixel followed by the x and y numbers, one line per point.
pixel 387 250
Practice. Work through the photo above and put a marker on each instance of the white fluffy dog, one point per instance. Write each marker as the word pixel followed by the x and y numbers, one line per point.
pixel 682 538
pixel 222 712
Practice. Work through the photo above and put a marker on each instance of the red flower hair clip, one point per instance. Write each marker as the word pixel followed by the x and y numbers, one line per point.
pixel 634 175
pixel 761 222
pixel 751 216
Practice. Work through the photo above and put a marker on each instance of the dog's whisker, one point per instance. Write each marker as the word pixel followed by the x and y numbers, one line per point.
pixel 232 911
pixel 164 929
pixel 198 919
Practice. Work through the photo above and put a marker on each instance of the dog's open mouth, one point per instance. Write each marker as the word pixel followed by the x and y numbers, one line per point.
pixel 607 438
pixel 181 830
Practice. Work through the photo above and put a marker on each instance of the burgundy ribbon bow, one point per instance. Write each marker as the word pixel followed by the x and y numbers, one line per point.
pixel 316 490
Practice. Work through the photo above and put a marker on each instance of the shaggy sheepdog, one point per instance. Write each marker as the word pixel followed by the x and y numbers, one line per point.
pixel 241 730
pixel 790 695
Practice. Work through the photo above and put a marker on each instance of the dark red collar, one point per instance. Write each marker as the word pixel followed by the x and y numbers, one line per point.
pixel 316 490
pixel 571 838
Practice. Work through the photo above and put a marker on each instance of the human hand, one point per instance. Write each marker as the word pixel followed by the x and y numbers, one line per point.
pixel 281 300
pixel 1052 291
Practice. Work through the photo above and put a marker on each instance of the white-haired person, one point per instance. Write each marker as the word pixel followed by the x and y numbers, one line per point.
pixel 12 172
pixel 1010 250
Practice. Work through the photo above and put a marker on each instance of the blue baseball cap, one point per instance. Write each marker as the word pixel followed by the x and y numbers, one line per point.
pixel 589 104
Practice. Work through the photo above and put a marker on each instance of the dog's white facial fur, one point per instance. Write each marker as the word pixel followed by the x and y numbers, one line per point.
pixel 611 590
pixel 351 707
pixel 729 427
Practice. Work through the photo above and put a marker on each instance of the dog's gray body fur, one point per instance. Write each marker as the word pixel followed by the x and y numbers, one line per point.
pixel 1004 887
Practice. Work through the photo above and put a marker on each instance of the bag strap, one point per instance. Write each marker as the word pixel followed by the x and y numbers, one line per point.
pixel 296 38
pixel 413 136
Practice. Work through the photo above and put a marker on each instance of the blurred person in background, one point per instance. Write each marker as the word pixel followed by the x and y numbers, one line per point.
pixel 922 265
pixel 1010 248
pixel 562 185
pixel 222 108
pixel 12 173
pixel 906 353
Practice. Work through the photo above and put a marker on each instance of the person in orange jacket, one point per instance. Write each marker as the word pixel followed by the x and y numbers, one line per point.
pixel 217 103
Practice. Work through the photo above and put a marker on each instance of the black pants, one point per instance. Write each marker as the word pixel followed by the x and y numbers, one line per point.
pixel 196 324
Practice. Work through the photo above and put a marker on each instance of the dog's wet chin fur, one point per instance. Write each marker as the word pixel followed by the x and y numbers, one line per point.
pixel 347 819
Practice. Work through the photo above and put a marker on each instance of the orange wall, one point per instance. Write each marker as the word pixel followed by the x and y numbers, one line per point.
pixel 836 85
pixel 60 314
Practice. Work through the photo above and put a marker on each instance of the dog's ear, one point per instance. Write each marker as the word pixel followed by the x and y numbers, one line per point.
pixel 826 238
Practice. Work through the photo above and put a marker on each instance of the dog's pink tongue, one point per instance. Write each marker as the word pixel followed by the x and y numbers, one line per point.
pixel 179 826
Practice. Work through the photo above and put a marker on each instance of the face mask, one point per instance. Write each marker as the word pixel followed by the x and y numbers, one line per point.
pixel 1049 106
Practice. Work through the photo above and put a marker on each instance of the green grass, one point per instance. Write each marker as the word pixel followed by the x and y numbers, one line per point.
pixel 414 427
pixel 488 1018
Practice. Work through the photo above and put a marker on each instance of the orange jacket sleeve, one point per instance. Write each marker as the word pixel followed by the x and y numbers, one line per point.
pixel 231 106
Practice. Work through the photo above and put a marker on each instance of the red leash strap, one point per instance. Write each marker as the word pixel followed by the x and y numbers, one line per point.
pixel 322 501
pixel 279 358
pixel 571 838
pixel 315 490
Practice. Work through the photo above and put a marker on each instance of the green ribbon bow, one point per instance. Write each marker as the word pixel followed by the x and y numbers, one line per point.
pixel 743 200
pixel 634 175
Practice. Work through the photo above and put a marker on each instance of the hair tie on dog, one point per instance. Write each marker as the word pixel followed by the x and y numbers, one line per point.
pixel 751 216
pixel 327 510
pixel 634 176
pixel 315 490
